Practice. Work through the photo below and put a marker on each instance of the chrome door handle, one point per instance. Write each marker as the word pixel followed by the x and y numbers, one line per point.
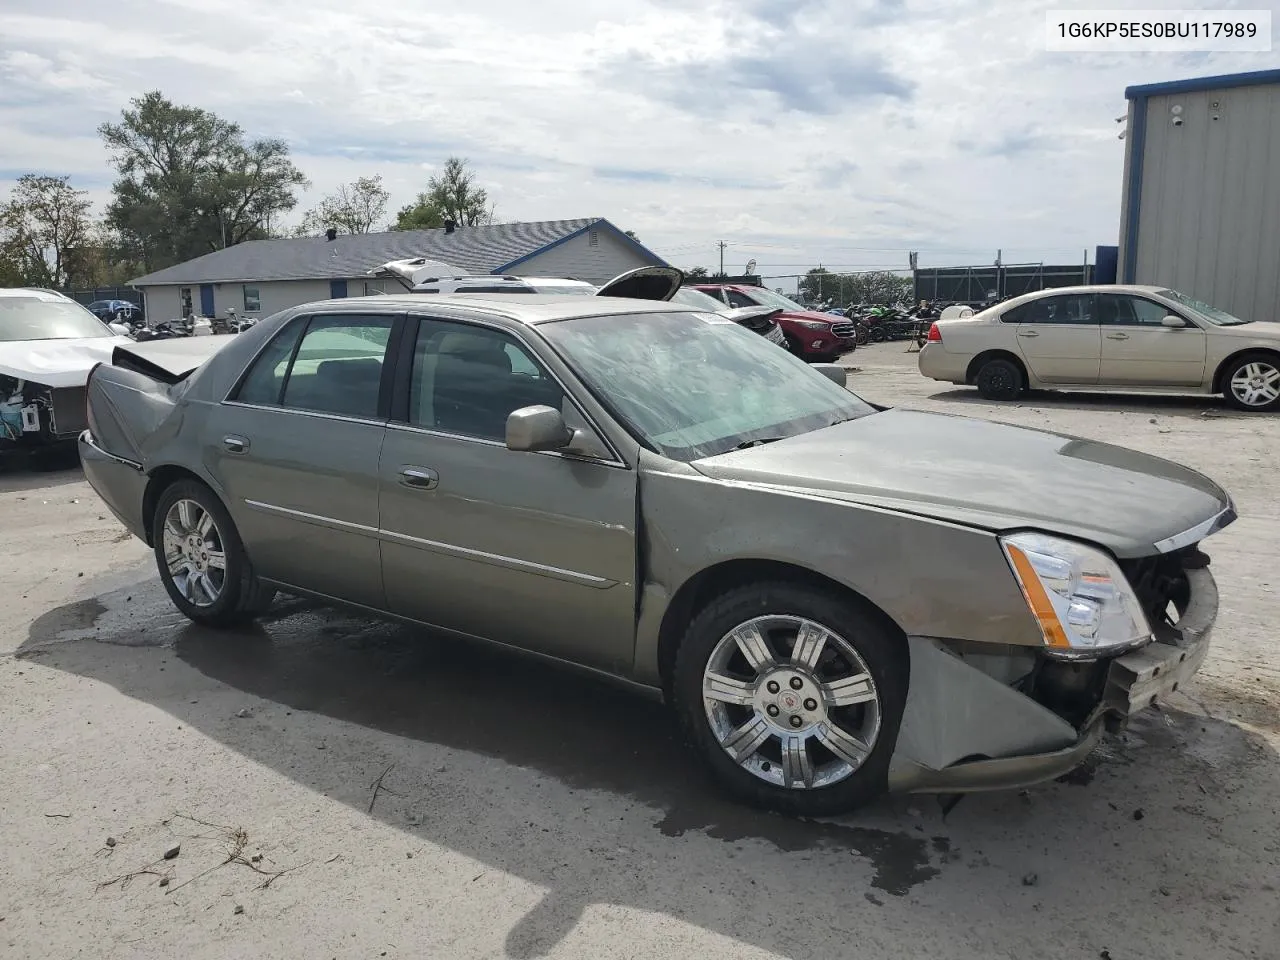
pixel 1028 333
pixel 235 444
pixel 420 478
pixel 1117 336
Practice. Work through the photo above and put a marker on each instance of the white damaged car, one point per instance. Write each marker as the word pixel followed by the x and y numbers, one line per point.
pixel 48 345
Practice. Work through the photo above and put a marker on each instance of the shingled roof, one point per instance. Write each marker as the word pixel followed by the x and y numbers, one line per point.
pixel 478 250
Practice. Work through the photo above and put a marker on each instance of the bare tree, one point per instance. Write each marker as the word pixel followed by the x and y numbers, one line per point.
pixel 355 208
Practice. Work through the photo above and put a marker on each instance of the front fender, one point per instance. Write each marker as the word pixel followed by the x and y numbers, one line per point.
pixel 932 578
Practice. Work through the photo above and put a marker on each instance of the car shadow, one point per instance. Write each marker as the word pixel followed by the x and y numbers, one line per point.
pixel 619 759
pixel 22 470
pixel 1183 405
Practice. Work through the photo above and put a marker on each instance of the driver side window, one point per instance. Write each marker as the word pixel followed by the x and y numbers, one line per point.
pixel 737 299
pixel 468 379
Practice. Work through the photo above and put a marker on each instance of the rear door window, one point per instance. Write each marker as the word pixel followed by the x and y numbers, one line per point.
pixel 1077 308
pixel 336 366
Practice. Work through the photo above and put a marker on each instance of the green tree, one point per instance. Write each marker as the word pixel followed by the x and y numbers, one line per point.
pixel 43 227
pixel 453 195
pixel 872 286
pixel 354 208
pixel 632 235
pixel 190 183
pixel 696 273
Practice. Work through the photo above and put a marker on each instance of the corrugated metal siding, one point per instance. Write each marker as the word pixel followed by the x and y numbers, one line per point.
pixel 584 260
pixel 1209 221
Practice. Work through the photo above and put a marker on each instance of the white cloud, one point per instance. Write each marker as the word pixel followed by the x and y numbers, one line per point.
pixel 801 132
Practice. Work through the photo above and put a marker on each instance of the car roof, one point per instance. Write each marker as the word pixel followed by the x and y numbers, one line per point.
pixel 1099 288
pixel 36 293
pixel 532 308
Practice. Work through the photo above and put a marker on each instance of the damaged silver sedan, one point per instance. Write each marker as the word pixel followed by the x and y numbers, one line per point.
pixel 837 599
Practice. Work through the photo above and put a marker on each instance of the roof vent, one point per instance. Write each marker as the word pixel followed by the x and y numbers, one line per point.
pixel 450 226
pixel 331 234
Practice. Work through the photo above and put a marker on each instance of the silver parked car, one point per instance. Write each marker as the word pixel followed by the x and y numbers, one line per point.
pixel 1108 337
pixel 836 598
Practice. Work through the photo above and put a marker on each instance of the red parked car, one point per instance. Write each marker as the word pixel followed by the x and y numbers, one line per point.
pixel 817 337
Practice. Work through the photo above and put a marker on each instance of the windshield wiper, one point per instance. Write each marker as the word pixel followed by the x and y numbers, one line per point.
pixel 745 444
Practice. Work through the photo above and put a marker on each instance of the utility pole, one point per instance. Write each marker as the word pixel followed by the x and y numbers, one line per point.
pixel 722 245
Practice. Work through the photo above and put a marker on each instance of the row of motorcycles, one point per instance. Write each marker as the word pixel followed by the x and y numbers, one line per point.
pixel 140 330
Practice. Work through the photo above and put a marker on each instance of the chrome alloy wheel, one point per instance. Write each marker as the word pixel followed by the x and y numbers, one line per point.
pixel 194 553
pixel 791 702
pixel 1256 384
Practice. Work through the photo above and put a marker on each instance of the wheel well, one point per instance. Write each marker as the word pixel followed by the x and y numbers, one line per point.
pixel 1225 364
pixel 699 589
pixel 976 363
pixel 160 480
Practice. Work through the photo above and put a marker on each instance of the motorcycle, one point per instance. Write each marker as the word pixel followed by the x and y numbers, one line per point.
pixel 164 330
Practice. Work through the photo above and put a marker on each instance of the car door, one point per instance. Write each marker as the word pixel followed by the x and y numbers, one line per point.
pixel 1139 350
pixel 1059 338
pixel 537 550
pixel 295 449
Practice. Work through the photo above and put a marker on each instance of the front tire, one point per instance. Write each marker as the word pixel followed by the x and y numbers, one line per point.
pixel 1000 379
pixel 792 695
pixel 1252 382
pixel 201 559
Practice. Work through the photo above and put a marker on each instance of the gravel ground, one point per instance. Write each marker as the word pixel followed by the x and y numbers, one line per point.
pixel 337 787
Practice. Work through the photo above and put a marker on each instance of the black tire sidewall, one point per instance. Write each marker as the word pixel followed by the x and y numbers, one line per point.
pixel 884 653
pixel 1004 393
pixel 238 583
pixel 1231 371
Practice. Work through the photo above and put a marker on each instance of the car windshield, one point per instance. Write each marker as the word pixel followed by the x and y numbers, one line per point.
pixel 31 318
pixel 1215 316
pixel 768 298
pixel 693 385
pixel 696 298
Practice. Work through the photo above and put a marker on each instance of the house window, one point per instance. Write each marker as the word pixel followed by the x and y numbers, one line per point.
pixel 252 302
pixel 374 287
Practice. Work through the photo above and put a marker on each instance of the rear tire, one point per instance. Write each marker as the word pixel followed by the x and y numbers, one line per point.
pixel 1252 382
pixel 201 559
pixel 819 728
pixel 1000 379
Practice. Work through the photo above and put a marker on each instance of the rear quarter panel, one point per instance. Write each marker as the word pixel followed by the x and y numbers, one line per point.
pixel 932 579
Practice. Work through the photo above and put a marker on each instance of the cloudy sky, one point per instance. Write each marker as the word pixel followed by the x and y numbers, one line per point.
pixel 841 132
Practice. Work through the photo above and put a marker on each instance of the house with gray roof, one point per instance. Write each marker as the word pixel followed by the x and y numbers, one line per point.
pixel 261 277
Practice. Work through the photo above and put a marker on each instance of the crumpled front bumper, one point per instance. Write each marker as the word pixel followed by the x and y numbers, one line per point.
pixel 962 730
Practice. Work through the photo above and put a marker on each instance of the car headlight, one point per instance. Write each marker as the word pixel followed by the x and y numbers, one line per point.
pixel 814 325
pixel 1078 594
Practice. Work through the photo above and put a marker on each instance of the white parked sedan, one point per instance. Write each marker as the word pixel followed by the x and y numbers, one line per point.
pixel 48 345
pixel 1108 337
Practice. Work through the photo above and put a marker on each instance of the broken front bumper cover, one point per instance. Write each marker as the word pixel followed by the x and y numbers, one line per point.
pixel 1133 682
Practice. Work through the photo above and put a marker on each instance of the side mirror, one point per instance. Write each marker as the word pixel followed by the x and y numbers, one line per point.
pixel 537 428
pixel 1174 323
pixel 832 371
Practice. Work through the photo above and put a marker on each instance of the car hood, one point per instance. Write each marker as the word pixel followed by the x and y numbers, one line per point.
pixel 415 270
pixel 56 363
pixel 644 283
pixel 1258 330
pixel 811 315
pixel 992 476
